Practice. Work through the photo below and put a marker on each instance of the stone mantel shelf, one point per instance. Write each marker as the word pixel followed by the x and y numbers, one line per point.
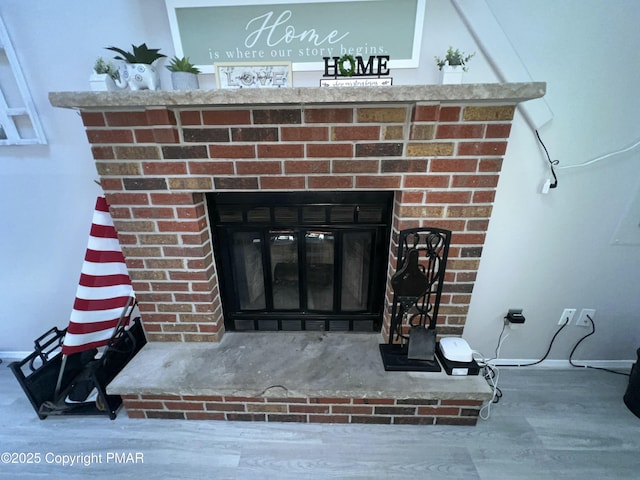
pixel 469 93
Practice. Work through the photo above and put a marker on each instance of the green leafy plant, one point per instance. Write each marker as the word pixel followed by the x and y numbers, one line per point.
pixel 139 54
pixel 182 65
pixel 454 57
pixel 102 66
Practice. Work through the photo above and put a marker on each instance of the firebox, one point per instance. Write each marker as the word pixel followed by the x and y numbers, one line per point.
pixel 302 260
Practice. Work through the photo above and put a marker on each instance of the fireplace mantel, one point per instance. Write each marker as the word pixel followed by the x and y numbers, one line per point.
pixel 468 93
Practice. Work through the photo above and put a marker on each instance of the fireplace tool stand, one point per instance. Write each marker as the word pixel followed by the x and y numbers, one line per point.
pixel 56 390
pixel 417 289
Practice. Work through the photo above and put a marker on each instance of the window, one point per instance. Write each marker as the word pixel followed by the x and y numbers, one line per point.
pixel 19 124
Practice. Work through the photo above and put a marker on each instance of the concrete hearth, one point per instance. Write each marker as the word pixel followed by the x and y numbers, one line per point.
pixel 301 376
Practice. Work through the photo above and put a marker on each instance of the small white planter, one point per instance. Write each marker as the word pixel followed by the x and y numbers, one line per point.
pixel 451 75
pixel 139 76
pixel 101 82
pixel 184 81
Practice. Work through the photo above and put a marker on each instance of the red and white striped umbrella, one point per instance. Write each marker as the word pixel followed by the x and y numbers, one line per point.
pixel 104 290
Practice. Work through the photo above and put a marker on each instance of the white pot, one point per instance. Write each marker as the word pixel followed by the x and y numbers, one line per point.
pixel 139 76
pixel 450 75
pixel 184 81
pixel 101 82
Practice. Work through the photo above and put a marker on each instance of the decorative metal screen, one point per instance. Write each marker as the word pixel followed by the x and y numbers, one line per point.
pixel 302 261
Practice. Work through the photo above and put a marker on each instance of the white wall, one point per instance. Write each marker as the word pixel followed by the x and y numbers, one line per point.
pixel 543 253
pixel 47 193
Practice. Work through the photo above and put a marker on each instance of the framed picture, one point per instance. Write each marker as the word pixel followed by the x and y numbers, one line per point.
pixel 300 32
pixel 253 75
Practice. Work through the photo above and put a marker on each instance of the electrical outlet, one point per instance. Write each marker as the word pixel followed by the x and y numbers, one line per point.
pixel 583 321
pixel 567 316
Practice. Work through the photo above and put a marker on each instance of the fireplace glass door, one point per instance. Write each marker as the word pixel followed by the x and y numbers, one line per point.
pixel 283 254
pixel 302 261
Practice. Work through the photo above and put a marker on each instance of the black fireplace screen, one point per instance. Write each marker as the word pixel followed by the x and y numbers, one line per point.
pixel 302 261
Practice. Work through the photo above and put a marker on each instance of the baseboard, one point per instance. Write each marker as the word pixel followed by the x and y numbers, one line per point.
pixel 8 356
pixel 525 362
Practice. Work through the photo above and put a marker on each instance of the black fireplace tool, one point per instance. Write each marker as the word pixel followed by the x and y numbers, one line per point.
pixel 410 284
pixel 417 288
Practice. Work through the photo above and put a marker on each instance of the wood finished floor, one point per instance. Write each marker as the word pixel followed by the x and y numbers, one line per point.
pixel 550 424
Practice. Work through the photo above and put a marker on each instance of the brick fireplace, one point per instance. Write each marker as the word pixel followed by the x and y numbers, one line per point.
pixel 438 148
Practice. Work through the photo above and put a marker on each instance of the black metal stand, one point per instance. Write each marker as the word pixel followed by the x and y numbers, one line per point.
pixel 395 359
pixel 38 374
pixel 432 247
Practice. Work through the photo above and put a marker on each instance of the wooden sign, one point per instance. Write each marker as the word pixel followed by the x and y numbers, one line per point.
pixel 350 71
pixel 212 31
pixel 253 74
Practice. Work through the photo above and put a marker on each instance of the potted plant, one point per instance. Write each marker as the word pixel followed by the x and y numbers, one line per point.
pixel 103 76
pixel 453 65
pixel 184 74
pixel 139 72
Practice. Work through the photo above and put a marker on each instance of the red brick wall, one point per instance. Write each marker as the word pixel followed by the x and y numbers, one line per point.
pixel 408 411
pixel 155 164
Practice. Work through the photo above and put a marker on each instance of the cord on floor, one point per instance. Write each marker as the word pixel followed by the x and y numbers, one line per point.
pixel 593 330
pixel 491 374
